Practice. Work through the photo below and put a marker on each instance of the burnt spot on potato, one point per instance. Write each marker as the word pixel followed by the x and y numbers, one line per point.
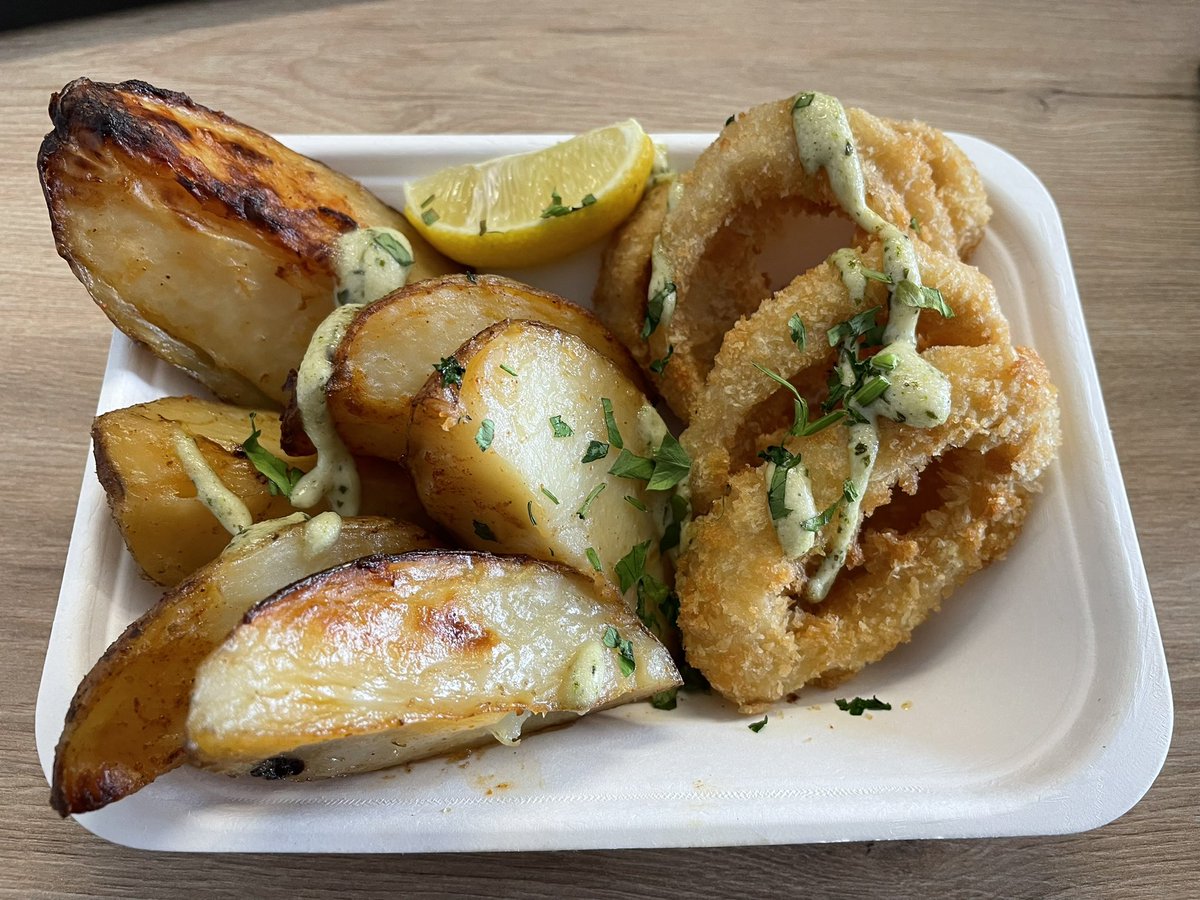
pixel 278 767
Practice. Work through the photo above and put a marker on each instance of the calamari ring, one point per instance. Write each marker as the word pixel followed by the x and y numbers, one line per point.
pixel 738 188
pixel 738 405
pixel 742 624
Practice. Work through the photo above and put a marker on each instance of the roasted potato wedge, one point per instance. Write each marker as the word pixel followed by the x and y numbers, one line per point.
pixel 391 659
pixel 526 488
pixel 125 726
pixel 203 238
pixel 391 347
pixel 169 532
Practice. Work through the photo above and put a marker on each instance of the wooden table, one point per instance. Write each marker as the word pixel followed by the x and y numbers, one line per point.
pixel 1100 99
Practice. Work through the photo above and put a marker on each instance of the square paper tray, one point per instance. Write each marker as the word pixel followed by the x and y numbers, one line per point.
pixel 1036 702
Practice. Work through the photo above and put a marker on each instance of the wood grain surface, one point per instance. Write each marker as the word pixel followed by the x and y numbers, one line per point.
pixel 1100 99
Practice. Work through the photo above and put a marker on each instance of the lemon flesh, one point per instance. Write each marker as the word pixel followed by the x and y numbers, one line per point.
pixel 533 208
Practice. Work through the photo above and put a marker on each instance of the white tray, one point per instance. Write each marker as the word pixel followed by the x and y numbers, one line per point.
pixel 1036 702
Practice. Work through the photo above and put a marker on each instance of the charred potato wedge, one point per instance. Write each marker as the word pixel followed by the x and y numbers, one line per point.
pixel 168 531
pixel 125 726
pixel 202 238
pixel 391 347
pixel 526 488
pixel 392 659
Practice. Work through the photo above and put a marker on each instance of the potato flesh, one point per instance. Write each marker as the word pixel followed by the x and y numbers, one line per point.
pixel 383 661
pixel 169 532
pixel 203 238
pixel 559 375
pixel 125 726
pixel 391 348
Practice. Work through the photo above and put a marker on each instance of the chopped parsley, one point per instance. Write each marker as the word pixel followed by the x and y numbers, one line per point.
pixel 482 531
pixel 556 208
pixel 654 309
pixel 821 519
pixel 758 726
pixel 425 203
pixel 803 100
pixel 529 511
pixel 632 566
pixel 671 465
pixel 858 705
pixel 798 332
pixel 553 499
pixel 912 294
pixel 281 478
pixel 451 371
pixel 915 224
pixel 870 391
pixel 872 275
pixel 485 434
pixel 854 327
pixel 610 423
pixel 784 461
pixel 664 699
pixel 589 499
pixel 800 424
pixel 849 491
pixel 595 450
pixel 560 428
pixel 594 559
pixel 429 216
pixel 659 364
pixel 630 465
pixel 392 248
pixel 505 367
pixel 624 648
pixel 654 599
pixel 635 503
pixel 678 513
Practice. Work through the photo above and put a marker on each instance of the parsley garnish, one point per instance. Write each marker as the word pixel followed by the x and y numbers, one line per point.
pixel 560 428
pixel 482 531
pixel 594 558
pixel 884 362
pixel 654 309
pixel 595 450
pixel 553 499
pixel 629 465
pixel 529 511
pixel 853 327
pixel 483 437
pixel 624 648
pixel 912 294
pixel 664 699
pixel 587 501
pixel 915 224
pixel 758 726
pixel 872 275
pixel 674 530
pixel 451 371
pixel 803 100
pixel 429 216
pixel 800 424
pixel 784 461
pixel 635 503
pixel 849 491
pixel 671 465
pixel 281 477
pixel 505 367
pixel 556 208
pixel 821 519
pixel 798 332
pixel 871 391
pixel 610 423
pixel 652 594
pixel 659 364
pixel 392 248
pixel 856 706
pixel 427 200
pixel 632 566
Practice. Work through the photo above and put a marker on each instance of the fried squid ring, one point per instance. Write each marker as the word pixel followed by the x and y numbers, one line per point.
pixel 958 495
pixel 740 187
pixel 738 405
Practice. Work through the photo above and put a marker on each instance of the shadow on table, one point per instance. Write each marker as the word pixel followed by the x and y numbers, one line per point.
pixel 79 23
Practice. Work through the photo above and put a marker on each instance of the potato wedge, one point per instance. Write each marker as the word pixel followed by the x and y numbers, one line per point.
pixel 203 238
pixel 169 532
pixel 392 346
pixel 530 491
pixel 391 659
pixel 125 726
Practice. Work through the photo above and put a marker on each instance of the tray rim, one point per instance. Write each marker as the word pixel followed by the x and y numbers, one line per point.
pixel 1138 747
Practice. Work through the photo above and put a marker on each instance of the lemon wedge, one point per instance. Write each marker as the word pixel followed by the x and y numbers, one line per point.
pixel 532 208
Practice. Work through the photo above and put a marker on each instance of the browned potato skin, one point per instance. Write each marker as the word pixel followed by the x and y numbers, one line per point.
pixel 126 723
pixel 391 347
pixel 168 531
pixel 391 659
pixel 203 238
